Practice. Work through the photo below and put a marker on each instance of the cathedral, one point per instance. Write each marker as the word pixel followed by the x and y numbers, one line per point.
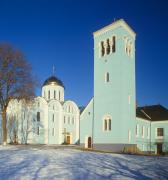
pixel 110 121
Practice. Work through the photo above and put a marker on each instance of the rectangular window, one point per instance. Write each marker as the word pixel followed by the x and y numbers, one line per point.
pixel 53 118
pixel 59 95
pixel 38 130
pixel 48 94
pixel 38 116
pixel 102 49
pixel 107 77
pixel 160 132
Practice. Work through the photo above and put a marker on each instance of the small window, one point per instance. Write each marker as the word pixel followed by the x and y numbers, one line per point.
pixel 160 132
pixel 108 47
pixel 59 95
pixel 48 94
pixel 113 44
pixel 53 118
pixel 38 116
pixel 54 94
pixel 107 77
pixel 69 109
pixel 107 124
pixel 102 49
pixel 38 131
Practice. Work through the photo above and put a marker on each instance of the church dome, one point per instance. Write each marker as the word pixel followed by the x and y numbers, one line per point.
pixel 53 81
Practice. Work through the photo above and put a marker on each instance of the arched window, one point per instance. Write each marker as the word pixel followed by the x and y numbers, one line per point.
pixel 38 131
pixel 53 118
pixel 107 77
pixel 107 123
pixel 102 49
pixel 38 116
pixel 48 94
pixel 108 46
pixel 59 95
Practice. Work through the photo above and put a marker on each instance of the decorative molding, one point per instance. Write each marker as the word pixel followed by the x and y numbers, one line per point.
pixel 114 25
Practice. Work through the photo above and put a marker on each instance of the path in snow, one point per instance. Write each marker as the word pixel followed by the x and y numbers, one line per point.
pixel 28 162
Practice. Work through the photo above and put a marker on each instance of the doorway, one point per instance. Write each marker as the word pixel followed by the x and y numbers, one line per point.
pixel 159 148
pixel 89 142
pixel 68 140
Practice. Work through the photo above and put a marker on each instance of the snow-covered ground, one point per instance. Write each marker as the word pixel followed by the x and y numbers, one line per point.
pixel 42 162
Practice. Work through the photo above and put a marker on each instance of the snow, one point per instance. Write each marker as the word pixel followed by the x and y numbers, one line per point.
pixel 51 162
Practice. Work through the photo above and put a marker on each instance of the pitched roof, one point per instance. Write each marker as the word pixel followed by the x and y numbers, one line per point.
pixel 152 113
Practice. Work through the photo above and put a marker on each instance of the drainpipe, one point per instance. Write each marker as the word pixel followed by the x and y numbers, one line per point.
pixel 93 124
pixel 150 138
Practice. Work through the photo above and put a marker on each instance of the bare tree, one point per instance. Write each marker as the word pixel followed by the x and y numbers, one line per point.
pixel 27 118
pixel 16 80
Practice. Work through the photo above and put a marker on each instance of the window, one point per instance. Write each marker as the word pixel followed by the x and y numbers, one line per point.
pixel 137 130
pixel 107 77
pixel 54 94
pixel 48 94
pixel 69 109
pixel 143 131
pixel 59 95
pixel 53 118
pixel 160 132
pixel 38 116
pixel 38 131
pixel 113 44
pixel 107 124
pixel 102 49
pixel 108 46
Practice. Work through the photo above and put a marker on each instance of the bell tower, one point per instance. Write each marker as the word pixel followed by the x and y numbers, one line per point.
pixel 114 86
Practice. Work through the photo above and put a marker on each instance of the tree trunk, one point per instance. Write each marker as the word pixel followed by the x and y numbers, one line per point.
pixel 4 129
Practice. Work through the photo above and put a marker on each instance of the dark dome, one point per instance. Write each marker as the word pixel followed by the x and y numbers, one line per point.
pixel 53 80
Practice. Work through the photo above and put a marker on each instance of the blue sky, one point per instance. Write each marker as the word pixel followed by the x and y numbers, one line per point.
pixel 59 33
